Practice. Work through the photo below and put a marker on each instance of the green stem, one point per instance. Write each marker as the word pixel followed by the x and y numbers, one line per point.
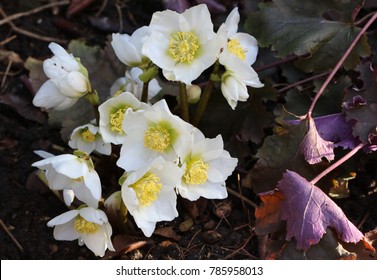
pixel 144 94
pixel 93 99
pixel 184 103
pixel 340 63
pixel 205 97
pixel 203 103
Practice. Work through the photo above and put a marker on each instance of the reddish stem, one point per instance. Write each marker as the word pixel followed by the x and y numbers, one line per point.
pixel 338 163
pixel 341 61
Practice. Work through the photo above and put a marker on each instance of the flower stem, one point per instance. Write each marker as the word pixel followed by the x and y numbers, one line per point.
pixel 184 102
pixel 144 94
pixel 93 99
pixel 340 62
pixel 337 164
pixel 205 98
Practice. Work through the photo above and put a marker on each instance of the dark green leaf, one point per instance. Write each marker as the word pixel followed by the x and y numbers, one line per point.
pixel 279 153
pixel 323 29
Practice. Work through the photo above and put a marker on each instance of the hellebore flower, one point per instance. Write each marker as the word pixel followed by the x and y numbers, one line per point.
pixel 74 174
pixel 112 113
pixel 239 51
pixel 151 133
pixel 182 45
pixel 128 48
pixel 206 166
pixel 149 195
pixel 89 225
pixel 133 84
pixel 68 81
pixel 87 138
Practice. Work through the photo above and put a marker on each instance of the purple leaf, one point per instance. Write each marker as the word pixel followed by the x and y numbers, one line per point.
pixel 313 147
pixel 337 129
pixel 309 211
pixel 176 5
pixel 213 5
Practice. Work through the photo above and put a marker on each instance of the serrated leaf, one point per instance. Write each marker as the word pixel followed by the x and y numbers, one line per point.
pixel 298 102
pixel 364 113
pixel 321 28
pixel 314 147
pixel 278 153
pixel 309 212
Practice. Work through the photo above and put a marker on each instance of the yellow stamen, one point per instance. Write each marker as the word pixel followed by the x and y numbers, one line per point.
pixel 196 172
pixel 116 120
pixel 88 136
pixel 83 226
pixel 157 138
pixel 235 48
pixel 147 189
pixel 183 46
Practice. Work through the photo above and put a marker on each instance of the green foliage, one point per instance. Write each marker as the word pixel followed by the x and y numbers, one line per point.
pixel 323 30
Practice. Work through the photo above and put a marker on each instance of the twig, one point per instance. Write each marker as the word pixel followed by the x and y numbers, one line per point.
pixel 7 40
pixel 365 217
pixel 102 8
pixel 248 201
pixel 11 236
pixel 340 62
pixel 303 81
pixel 33 11
pixel 30 34
pixel 276 63
pixel 338 163
pixel 6 74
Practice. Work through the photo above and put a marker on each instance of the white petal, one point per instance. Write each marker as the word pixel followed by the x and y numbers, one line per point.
pixel 49 97
pixel 93 215
pixel 232 21
pixel 67 60
pixel 66 232
pixel 72 168
pixel 68 196
pixel 93 183
pixel 146 226
pixel 63 218
pixel 96 242
pixel 78 82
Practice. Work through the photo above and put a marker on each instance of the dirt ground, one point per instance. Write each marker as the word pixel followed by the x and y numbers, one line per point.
pixel 25 209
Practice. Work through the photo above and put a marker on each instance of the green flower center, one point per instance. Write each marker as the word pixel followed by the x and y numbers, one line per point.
pixel 83 226
pixel 88 136
pixel 196 172
pixel 183 46
pixel 116 120
pixel 235 48
pixel 147 189
pixel 157 138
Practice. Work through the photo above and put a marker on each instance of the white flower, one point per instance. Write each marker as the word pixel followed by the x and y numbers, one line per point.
pixel 236 45
pixel 66 83
pixel 149 195
pixel 233 83
pixel 151 133
pixel 239 51
pixel 89 225
pixel 206 166
pixel 74 175
pixel 182 45
pixel 87 138
pixel 128 48
pixel 133 84
pixel 112 113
